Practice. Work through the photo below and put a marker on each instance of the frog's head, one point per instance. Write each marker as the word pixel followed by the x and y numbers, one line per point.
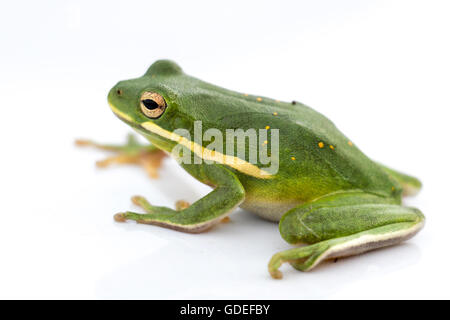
pixel 151 104
pixel 170 109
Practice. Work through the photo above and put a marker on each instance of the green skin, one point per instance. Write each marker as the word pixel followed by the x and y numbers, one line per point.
pixel 326 195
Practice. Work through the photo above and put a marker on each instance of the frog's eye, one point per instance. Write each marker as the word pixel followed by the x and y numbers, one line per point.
pixel 153 105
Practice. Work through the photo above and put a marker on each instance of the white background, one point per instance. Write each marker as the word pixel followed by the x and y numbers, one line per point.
pixel 379 69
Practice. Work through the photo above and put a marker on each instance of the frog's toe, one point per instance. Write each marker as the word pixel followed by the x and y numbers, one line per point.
pixel 181 205
pixel 274 264
pixel 152 161
pixel 142 203
pixel 299 258
pixel 83 143
pixel 119 217
pixel 118 159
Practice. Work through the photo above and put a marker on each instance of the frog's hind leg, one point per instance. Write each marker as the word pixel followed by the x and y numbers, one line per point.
pixel 410 185
pixel 132 152
pixel 342 225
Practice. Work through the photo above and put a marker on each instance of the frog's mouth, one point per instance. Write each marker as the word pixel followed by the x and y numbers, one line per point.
pixel 121 115
pixel 138 127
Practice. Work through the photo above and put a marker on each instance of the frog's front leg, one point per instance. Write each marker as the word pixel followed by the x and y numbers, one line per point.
pixel 342 225
pixel 148 208
pixel 132 152
pixel 202 214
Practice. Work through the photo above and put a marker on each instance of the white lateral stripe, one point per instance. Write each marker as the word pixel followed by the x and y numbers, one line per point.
pixel 206 154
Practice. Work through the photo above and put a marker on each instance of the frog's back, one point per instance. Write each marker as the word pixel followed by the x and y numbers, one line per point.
pixel 324 151
pixel 315 158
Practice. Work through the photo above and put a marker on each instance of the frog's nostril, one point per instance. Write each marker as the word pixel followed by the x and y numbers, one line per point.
pixel 119 92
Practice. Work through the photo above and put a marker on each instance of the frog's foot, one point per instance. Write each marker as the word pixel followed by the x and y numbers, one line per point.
pixel 132 152
pixel 181 205
pixel 359 223
pixel 148 208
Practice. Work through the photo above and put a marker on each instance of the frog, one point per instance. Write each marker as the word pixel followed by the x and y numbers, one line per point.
pixel 329 199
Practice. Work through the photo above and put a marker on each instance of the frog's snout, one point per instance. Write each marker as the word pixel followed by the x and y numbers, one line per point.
pixel 118 104
pixel 116 92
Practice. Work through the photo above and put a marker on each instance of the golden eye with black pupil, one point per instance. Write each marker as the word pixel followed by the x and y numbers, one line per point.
pixel 152 104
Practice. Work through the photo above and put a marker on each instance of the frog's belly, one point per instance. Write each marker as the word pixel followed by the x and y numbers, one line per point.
pixel 272 211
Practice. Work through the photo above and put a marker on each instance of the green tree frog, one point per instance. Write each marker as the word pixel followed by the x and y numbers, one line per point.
pixel 327 196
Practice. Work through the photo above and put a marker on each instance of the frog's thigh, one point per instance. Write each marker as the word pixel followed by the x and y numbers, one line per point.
pixel 342 230
pixel 202 214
